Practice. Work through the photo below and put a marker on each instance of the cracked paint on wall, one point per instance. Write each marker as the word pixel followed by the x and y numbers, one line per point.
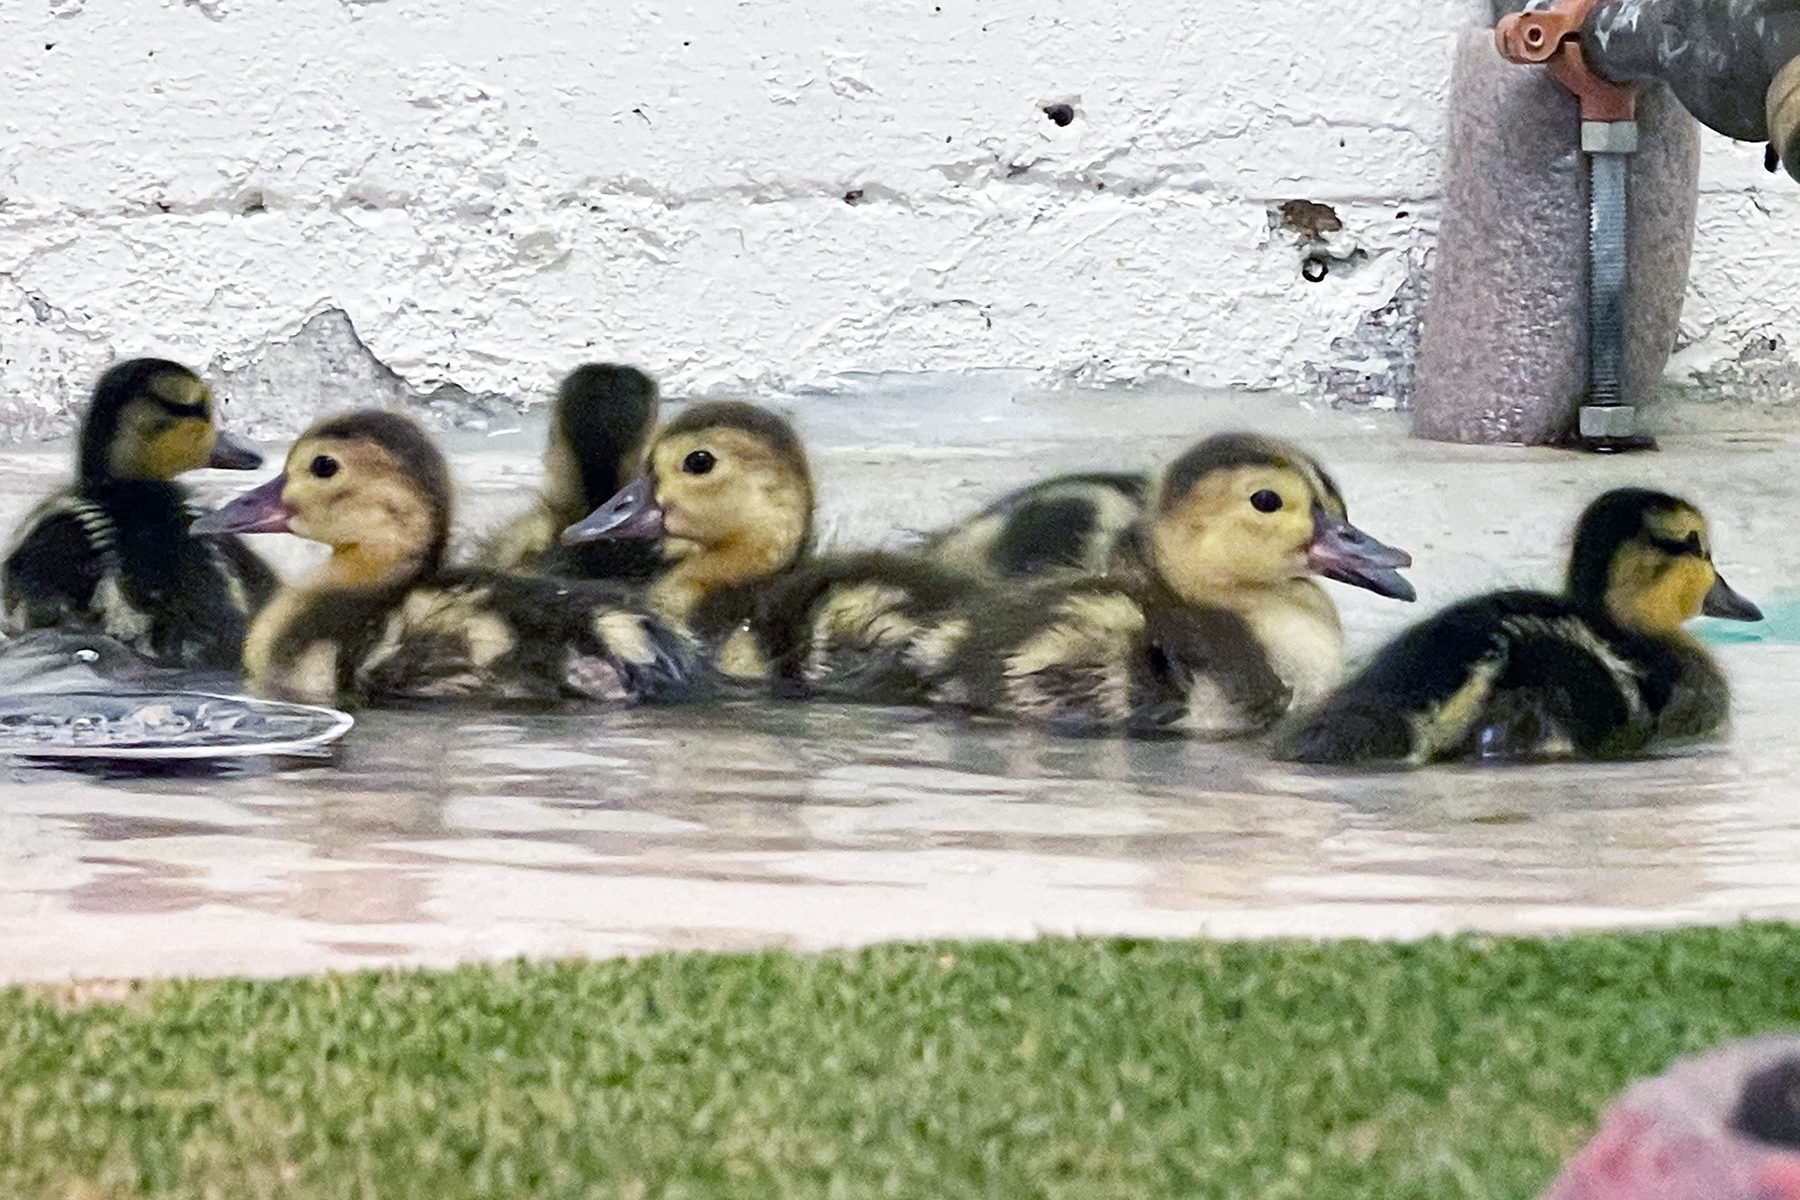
pixel 735 196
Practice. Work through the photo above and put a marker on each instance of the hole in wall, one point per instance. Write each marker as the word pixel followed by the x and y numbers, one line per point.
pixel 1060 114
pixel 1310 219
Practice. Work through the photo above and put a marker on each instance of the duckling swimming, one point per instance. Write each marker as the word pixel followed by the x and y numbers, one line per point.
pixel 1208 618
pixel 113 553
pixel 1602 671
pixel 600 431
pixel 730 493
pixel 384 621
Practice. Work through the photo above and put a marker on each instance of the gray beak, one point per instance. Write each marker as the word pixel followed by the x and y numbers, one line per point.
pixel 632 513
pixel 1722 601
pixel 258 510
pixel 230 454
pixel 1345 553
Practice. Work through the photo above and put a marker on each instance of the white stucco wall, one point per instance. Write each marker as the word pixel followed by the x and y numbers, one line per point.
pixel 493 191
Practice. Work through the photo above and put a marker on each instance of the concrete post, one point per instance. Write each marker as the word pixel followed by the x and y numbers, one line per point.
pixel 1502 352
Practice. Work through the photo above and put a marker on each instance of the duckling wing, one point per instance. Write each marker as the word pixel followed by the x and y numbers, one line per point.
pixel 1093 657
pixel 872 627
pixel 1055 656
pixel 52 570
pixel 1512 675
pixel 515 637
pixel 1066 523
pixel 1436 676
pixel 139 577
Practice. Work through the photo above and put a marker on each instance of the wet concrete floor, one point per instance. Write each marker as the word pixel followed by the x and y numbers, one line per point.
pixel 433 838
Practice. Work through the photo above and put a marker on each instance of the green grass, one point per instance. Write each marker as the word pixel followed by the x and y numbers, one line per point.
pixel 1448 1068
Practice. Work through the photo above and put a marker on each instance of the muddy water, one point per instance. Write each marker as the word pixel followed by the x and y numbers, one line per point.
pixel 437 838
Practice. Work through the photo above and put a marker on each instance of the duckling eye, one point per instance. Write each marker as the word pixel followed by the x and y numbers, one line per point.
pixel 323 467
pixel 1266 501
pixel 699 462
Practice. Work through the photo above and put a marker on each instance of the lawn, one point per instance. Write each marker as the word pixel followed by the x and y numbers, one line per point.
pixel 1448 1068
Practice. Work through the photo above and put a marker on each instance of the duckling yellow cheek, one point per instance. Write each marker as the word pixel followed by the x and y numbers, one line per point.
pixel 1270 548
pixel 1687 584
pixel 1657 596
pixel 184 446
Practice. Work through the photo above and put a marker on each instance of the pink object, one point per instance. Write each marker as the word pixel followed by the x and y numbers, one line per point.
pixel 1683 1135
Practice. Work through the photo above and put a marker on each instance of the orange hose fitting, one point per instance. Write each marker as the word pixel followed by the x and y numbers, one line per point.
pixel 1553 37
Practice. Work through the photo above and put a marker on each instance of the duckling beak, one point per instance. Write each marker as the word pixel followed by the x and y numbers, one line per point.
pixel 258 510
pixel 1345 553
pixel 632 513
pixel 1722 601
pixel 230 454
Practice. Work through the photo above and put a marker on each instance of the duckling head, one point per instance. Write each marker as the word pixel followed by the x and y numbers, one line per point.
pixel 1644 559
pixel 1240 512
pixel 728 486
pixel 369 484
pixel 599 432
pixel 153 419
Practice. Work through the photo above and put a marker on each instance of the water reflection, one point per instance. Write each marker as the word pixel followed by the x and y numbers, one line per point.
pixel 434 841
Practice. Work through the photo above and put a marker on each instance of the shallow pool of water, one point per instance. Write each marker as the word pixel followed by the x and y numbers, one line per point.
pixel 437 838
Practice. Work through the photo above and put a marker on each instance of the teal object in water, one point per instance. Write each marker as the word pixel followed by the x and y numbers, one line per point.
pixel 1780 623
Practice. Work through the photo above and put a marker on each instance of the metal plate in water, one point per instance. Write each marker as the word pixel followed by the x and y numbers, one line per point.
pixel 161 726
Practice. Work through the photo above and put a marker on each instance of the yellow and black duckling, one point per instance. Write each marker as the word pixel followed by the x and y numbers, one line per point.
pixel 1067 523
pixel 600 430
pixel 113 553
pixel 729 492
pixel 383 621
pixel 1602 671
pixel 1208 619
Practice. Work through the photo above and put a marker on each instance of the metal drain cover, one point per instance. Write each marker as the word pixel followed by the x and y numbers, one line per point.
pixel 161 725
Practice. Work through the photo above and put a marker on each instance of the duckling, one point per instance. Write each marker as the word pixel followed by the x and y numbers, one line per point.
pixel 600 431
pixel 1603 670
pixel 112 554
pixel 730 493
pixel 1067 523
pixel 1208 619
pixel 383 621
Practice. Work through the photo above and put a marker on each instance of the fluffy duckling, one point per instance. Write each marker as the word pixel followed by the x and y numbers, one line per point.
pixel 383 621
pixel 113 553
pixel 1064 523
pixel 730 494
pixel 1601 671
pixel 1208 620
pixel 600 431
